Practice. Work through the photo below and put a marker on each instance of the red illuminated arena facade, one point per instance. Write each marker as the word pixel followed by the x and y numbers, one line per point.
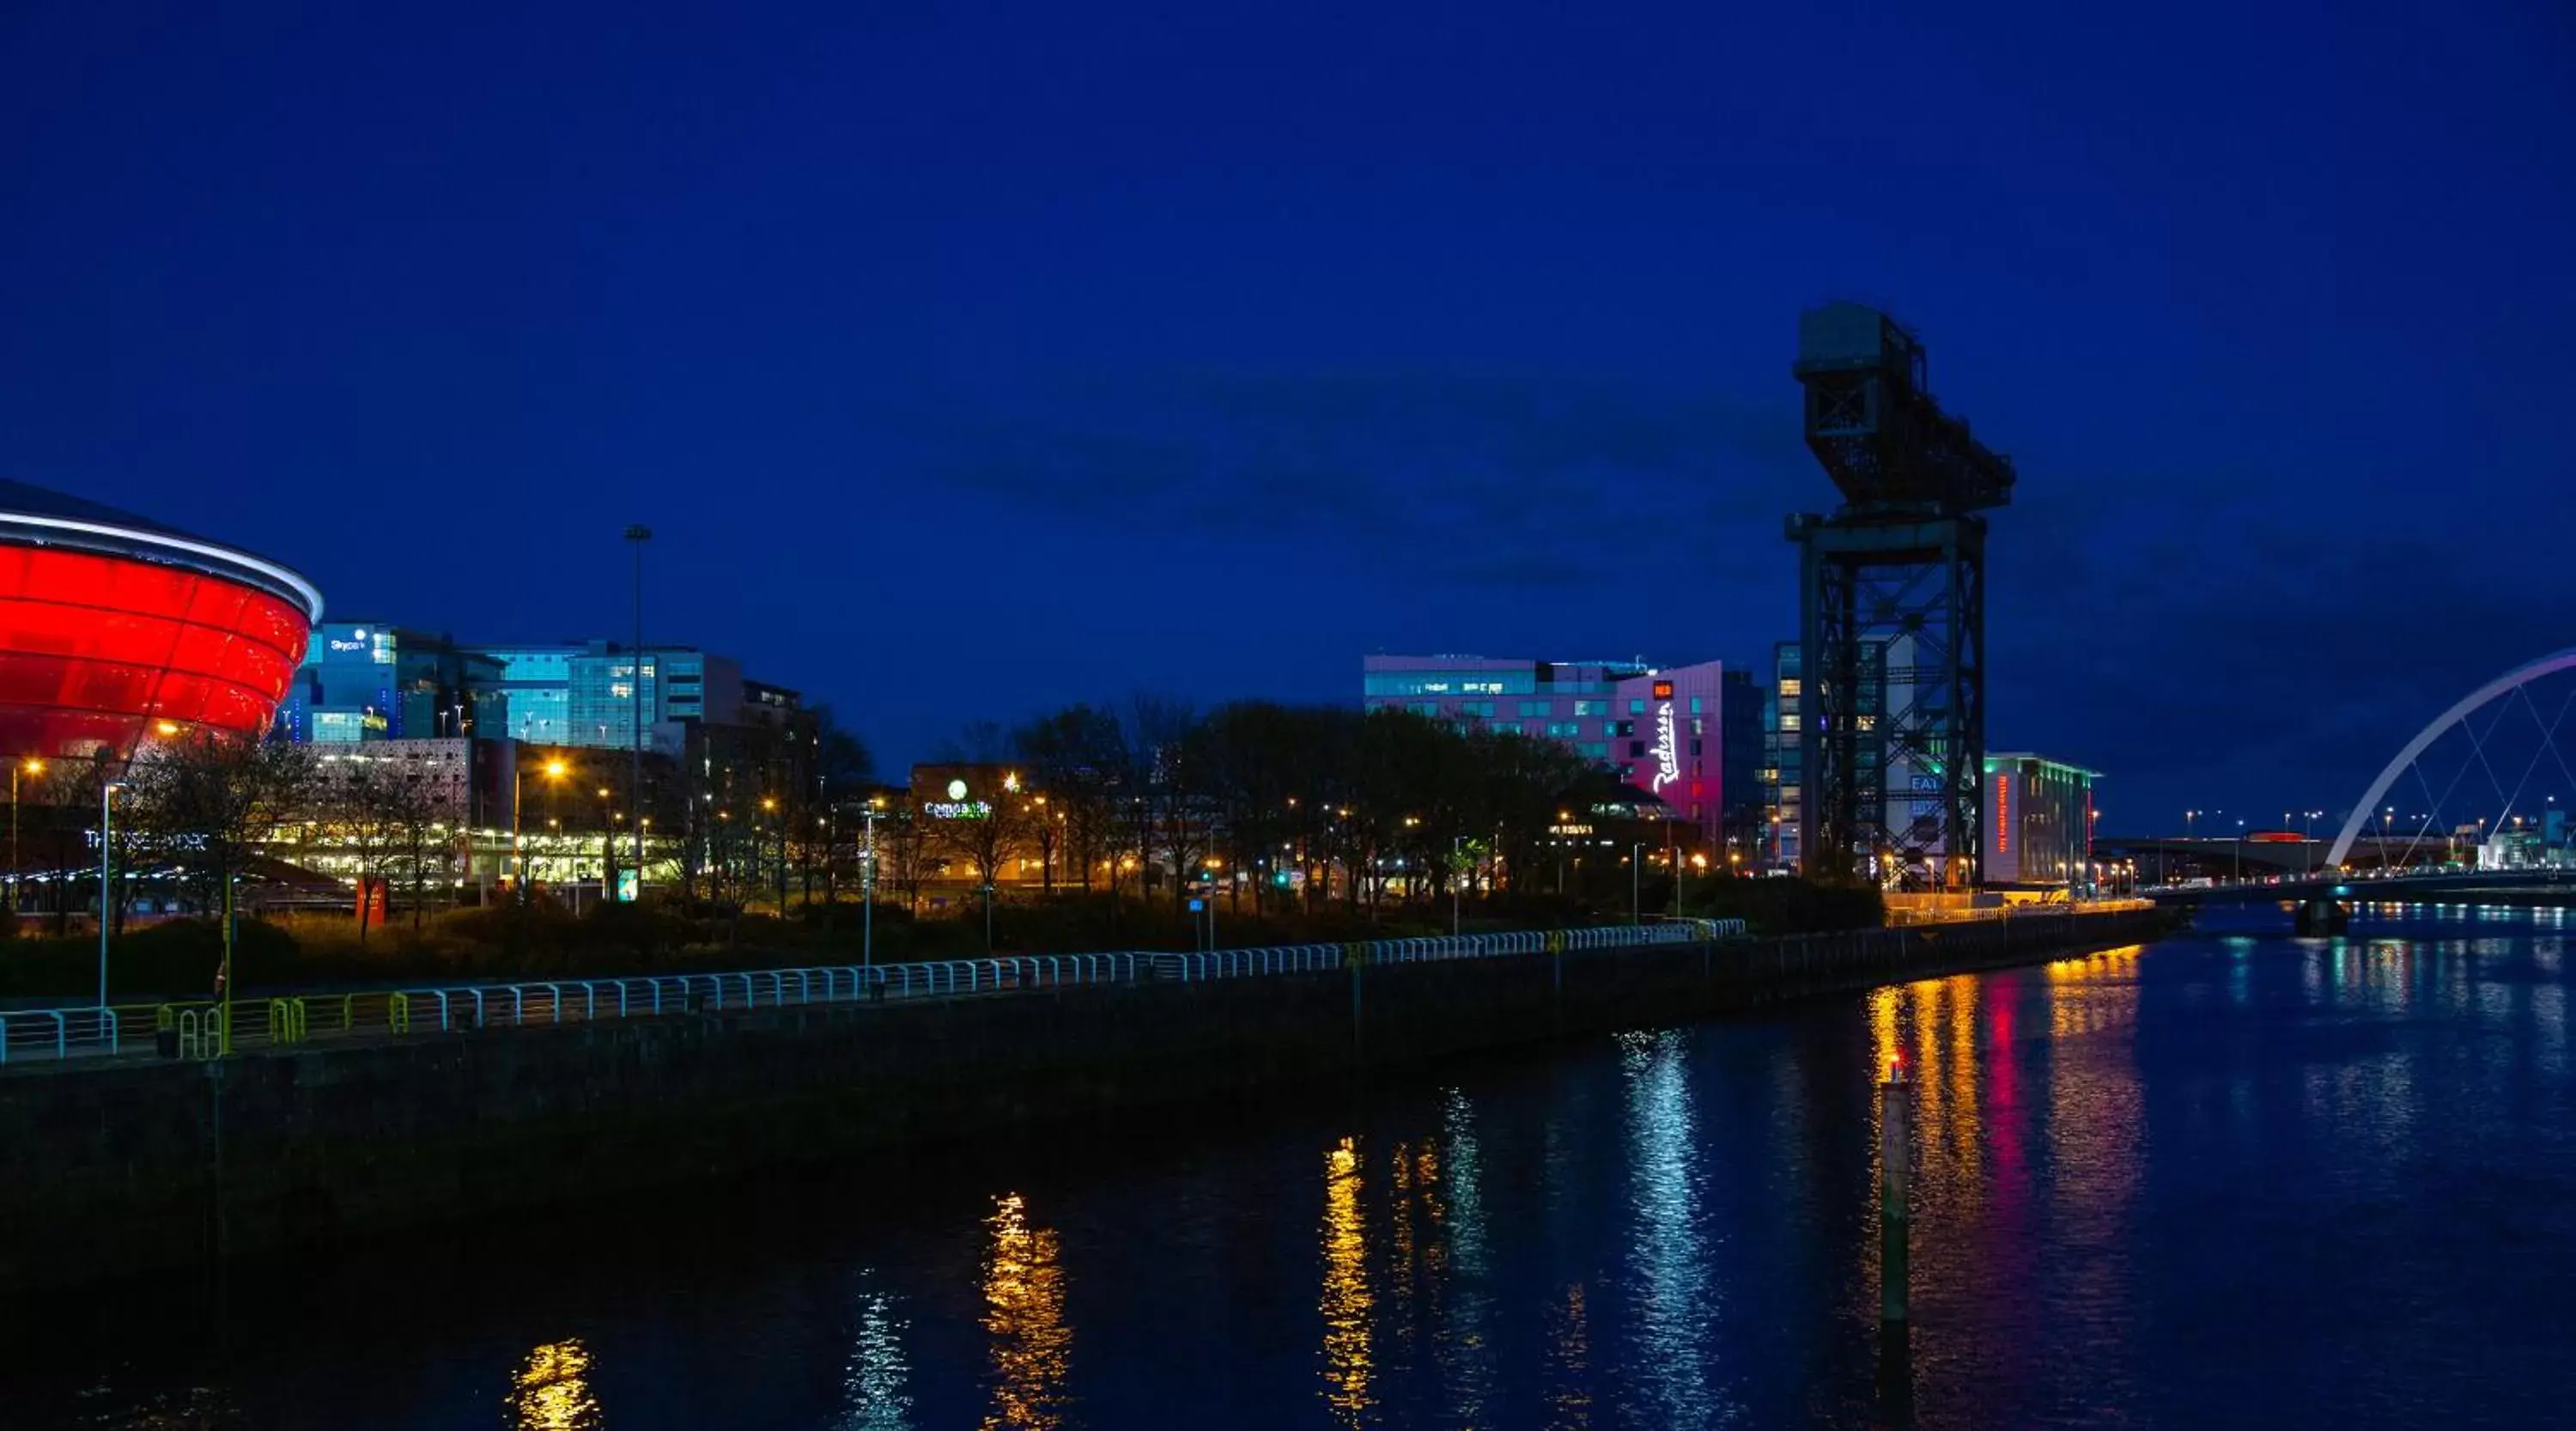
pixel 114 630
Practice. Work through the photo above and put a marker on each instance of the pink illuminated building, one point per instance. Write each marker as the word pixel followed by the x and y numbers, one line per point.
pixel 1660 728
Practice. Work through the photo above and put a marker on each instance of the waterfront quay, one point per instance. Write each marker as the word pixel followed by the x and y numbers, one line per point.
pixel 123 1167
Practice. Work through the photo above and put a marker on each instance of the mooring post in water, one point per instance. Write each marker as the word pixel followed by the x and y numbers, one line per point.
pixel 1895 1117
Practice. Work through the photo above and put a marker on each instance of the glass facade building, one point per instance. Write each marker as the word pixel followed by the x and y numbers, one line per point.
pixel 115 630
pixel 586 694
pixel 364 681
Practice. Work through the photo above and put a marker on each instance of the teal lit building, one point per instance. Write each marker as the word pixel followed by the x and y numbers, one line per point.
pixel 586 693
pixel 367 681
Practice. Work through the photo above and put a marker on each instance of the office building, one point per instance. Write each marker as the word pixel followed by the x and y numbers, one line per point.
pixel 2040 813
pixel 1661 729
pixel 585 693
pixel 367 681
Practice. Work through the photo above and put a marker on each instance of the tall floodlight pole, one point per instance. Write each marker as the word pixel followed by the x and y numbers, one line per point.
pixel 637 537
pixel 1892 608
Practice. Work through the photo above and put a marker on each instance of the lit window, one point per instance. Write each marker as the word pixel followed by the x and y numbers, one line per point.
pixel 1789 685
pixel 1789 721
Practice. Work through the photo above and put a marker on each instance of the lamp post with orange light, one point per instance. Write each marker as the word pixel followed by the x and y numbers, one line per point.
pixel 31 766
pixel 554 772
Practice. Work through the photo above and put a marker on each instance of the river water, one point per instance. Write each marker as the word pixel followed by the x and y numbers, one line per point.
pixel 2234 1179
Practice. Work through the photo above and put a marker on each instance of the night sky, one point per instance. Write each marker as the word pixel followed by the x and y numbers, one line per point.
pixel 968 359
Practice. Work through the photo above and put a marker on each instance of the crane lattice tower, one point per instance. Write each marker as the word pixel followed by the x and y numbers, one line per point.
pixel 1892 612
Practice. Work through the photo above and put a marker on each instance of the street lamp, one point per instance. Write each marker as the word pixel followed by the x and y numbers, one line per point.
pixel 1457 877
pixel 554 771
pixel 106 790
pixel 2236 848
pixel 1636 868
pixel 31 766
pixel 868 890
pixel 637 537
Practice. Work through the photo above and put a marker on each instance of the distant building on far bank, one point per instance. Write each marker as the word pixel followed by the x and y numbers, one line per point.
pixel 1663 729
pixel 2039 817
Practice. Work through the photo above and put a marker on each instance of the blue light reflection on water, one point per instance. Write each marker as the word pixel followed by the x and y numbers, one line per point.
pixel 2234 1180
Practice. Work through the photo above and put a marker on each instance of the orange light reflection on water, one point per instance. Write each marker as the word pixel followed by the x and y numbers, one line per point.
pixel 1024 1314
pixel 551 1389
pixel 1346 1303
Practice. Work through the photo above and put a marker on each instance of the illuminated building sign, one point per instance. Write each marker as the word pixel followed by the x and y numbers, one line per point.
pixel 958 809
pixel 1663 690
pixel 1668 764
pixel 2003 813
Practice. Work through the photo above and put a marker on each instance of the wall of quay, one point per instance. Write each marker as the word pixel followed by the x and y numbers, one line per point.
pixel 117 1171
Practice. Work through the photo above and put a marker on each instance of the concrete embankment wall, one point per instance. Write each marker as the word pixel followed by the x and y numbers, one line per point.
pixel 118 1170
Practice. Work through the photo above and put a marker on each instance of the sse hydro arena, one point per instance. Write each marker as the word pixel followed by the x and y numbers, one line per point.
pixel 115 630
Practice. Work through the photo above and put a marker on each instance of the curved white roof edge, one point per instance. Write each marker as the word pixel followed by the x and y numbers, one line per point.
pixel 286 581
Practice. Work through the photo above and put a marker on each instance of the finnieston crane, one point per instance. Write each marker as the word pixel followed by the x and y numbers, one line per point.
pixel 1892 612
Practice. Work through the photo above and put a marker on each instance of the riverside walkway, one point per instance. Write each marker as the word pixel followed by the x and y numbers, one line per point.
pixel 88 1035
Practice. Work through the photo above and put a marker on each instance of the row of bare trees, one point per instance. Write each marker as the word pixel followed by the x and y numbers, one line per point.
pixel 1295 801
pixel 208 811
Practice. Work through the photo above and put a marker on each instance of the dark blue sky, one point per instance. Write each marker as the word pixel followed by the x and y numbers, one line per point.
pixel 975 360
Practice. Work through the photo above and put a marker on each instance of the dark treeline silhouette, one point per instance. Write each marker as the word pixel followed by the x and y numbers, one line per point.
pixel 1283 806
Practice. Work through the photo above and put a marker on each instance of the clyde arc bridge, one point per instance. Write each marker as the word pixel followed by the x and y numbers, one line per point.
pixel 2478 798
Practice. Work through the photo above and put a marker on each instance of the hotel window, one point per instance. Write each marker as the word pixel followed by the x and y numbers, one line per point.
pixel 1564 729
pixel 1597 749
pixel 1789 685
pixel 1424 708
pixel 1536 708
pixel 1694 705
pixel 1788 721
pixel 1636 750
pixel 1508 727
pixel 1476 708
pixel 1591 708
pixel 1636 705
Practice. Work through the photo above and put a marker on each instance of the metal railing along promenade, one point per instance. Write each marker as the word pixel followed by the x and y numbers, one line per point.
pixel 196 1029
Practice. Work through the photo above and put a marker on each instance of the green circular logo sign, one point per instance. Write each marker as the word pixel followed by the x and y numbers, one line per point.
pixel 956 789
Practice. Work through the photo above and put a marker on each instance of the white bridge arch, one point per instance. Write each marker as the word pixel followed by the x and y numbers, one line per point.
pixel 2510 681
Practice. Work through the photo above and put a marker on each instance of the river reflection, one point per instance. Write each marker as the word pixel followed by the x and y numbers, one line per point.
pixel 1670 1296
pixel 2148 1184
pixel 878 1379
pixel 551 1390
pixel 1346 1304
pixel 1024 1313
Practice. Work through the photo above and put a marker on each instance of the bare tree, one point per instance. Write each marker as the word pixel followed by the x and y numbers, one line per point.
pixel 358 795
pixel 209 800
pixel 1075 758
pixel 904 845
pixel 1164 788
